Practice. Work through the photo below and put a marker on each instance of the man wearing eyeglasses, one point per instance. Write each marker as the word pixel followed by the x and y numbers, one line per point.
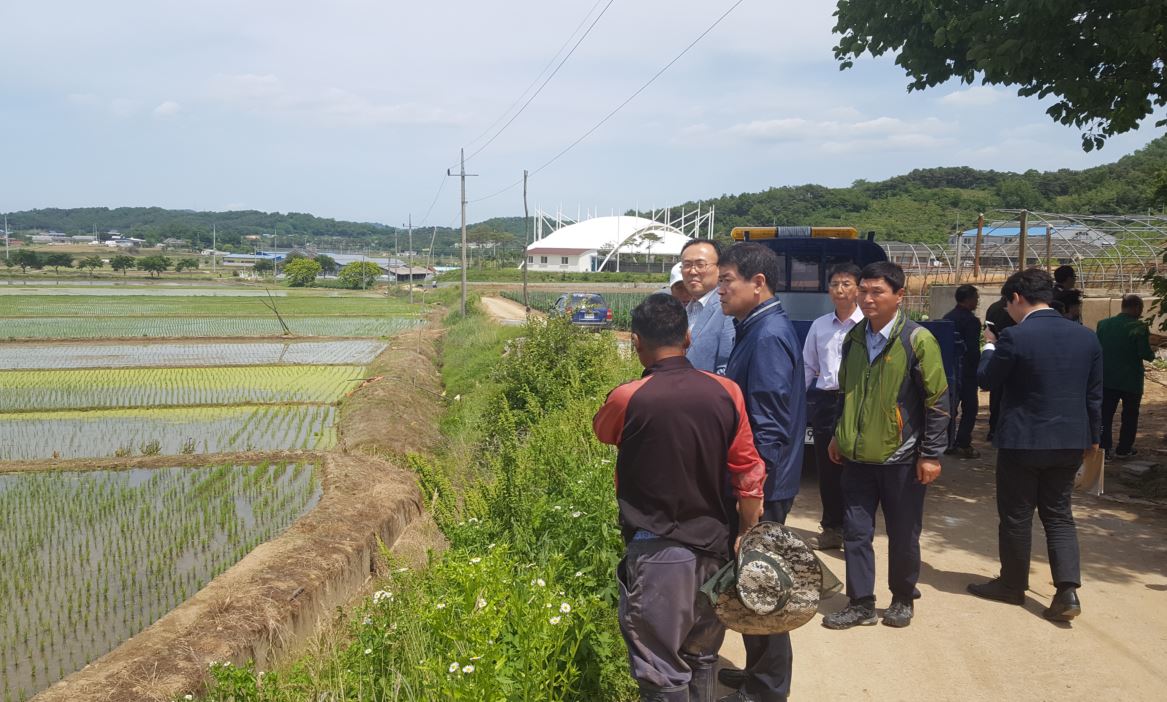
pixel 710 329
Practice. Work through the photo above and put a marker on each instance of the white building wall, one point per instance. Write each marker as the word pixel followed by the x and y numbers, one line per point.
pixel 559 263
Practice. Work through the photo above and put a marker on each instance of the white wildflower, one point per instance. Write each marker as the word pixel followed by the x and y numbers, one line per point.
pixel 367 621
pixel 188 697
pixel 480 604
pixel 475 560
pixel 472 520
pixel 382 595
pixel 577 514
pixel 565 608
pixel 466 670
pixel 557 508
pixel 441 605
pixel 540 582
pixel 554 620
pixel 453 667
pixel 490 545
pixel 579 573
pixel 368 651
pixel 401 570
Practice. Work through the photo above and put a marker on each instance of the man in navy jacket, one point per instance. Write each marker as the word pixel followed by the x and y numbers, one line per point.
pixel 1050 372
pixel 766 363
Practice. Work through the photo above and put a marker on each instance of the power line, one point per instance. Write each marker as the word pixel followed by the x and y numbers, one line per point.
pixel 537 77
pixel 486 131
pixel 611 114
pixel 544 84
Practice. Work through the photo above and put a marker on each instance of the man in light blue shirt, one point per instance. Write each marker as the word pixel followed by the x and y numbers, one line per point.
pixel 710 329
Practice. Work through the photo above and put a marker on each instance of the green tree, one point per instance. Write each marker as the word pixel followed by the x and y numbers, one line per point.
pixel 26 258
pixel 301 272
pixel 327 263
pixel 185 264
pixel 92 263
pixel 154 265
pixel 121 262
pixel 359 275
pixel 1101 59
pixel 263 265
pixel 57 261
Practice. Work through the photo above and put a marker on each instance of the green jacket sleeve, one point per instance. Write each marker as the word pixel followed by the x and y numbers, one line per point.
pixel 929 372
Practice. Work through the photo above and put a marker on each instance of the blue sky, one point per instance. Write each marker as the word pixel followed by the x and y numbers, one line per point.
pixel 353 109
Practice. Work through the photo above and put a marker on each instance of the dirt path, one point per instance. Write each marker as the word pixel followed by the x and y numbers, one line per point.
pixel 507 312
pixel 959 647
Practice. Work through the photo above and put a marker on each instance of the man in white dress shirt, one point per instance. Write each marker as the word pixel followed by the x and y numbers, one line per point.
pixel 821 353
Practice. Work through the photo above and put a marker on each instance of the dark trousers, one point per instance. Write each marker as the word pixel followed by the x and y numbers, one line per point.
pixel 968 403
pixel 823 409
pixel 866 487
pixel 1028 479
pixel 769 659
pixel 994 410
pixel 669 626
pixel 1130 418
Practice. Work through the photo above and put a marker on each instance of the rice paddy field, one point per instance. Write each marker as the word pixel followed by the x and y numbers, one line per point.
pixel 91 558
pixel 178 354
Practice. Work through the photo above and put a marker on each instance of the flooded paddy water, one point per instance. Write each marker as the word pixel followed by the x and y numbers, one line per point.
pixel 92 558
pixel 89 559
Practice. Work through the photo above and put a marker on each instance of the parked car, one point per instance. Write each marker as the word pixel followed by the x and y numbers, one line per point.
pixel 584 309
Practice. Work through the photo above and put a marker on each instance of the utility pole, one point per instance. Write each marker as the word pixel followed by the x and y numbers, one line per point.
pixel 214 249
pixel 410 225
pixel 526 228
pixel 462 175
pixel 6 236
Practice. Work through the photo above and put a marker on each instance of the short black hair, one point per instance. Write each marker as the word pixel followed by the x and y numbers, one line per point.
pixel 1132 302
pixel 660 321
pixel 845 269
pixel 750 259
pixel 965 292
pixel 1063 273
pixel 1057 306
pixel 693 242
pixel 887 271
pixel 1032 284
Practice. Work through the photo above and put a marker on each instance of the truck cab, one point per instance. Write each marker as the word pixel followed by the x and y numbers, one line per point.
pixel 807 255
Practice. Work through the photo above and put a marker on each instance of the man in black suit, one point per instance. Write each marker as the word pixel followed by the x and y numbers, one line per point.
pixel 1051 413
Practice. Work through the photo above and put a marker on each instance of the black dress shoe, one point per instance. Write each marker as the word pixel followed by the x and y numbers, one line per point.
pixel 1065 606
pixel 732 677
pixel 998 592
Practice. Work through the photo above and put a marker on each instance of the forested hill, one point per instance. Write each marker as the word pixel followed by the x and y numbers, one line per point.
pixel 924 205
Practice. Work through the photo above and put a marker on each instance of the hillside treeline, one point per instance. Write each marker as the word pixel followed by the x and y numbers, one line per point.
pixel 924 205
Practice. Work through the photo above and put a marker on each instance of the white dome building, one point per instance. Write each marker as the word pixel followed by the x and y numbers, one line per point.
pixel 601 242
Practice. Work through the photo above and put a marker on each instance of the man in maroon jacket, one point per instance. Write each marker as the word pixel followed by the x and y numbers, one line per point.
pixel 683 436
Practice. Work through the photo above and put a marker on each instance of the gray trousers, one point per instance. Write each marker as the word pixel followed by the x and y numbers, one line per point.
pixel 668 624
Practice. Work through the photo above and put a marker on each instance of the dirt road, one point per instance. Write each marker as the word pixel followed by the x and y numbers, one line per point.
pixel 959 647
pixel 507 312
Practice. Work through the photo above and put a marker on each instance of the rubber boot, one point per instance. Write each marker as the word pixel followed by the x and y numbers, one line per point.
pixel 703 685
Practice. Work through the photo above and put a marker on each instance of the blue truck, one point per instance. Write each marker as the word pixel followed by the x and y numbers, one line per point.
pixel 808 254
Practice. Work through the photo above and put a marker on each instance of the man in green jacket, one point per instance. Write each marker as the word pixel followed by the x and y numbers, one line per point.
pixel 889 438
pixel 1126 343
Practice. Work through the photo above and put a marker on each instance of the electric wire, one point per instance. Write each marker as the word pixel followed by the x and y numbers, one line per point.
pixel 611 114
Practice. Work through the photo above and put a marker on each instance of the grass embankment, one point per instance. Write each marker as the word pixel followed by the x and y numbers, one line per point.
pixel 523 604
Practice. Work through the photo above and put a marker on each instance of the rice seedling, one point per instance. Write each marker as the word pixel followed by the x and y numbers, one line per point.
pixel 28 436
pixel 122 548
pixel 193 327
pixel 159 354
pixel 174 387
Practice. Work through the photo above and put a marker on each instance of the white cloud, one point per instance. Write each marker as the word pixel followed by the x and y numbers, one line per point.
pixel 975 96
pixel 169 108
pixel 840 136
pixel 268 93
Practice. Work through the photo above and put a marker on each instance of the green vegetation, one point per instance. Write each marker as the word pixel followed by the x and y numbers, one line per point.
pixel 359 275
pixel 174 387
pixel 40 435
pixel 301 272
pixel 1103 61
pixel 522 606
pixel 92 558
